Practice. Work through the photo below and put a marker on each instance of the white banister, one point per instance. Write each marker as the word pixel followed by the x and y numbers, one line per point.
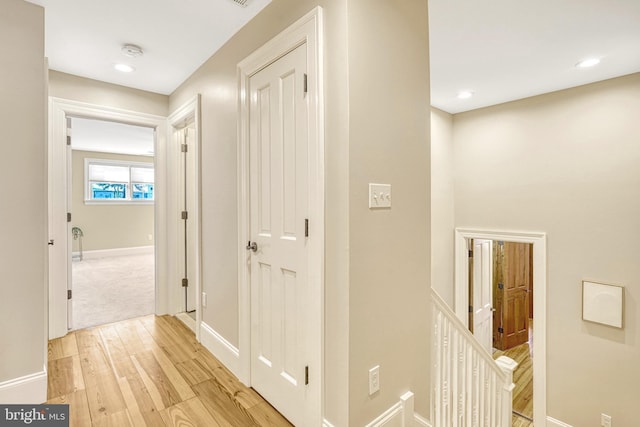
pixel 469 388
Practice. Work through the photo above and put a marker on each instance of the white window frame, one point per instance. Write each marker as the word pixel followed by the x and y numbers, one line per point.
pixel 88 200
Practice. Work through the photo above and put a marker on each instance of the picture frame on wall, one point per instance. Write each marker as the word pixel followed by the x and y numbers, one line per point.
pixel 603 303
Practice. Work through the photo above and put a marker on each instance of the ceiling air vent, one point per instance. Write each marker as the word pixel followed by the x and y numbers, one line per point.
pixel 242 3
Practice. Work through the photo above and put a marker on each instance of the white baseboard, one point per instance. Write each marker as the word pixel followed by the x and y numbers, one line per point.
pixel 421 421
pixel 326 423
pixel 187 320
pixel 222 349
pixel 552 422
pixel 400 414
pixel 104 253
pixel 30 389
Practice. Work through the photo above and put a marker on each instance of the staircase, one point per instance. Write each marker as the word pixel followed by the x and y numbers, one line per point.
pixel 469 388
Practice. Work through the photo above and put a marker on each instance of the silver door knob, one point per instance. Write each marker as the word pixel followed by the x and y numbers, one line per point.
pixel 252 245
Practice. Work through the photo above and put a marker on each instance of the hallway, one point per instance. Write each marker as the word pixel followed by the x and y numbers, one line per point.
pixel 149 371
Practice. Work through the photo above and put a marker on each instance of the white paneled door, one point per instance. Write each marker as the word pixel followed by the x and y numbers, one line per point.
pixel 482 293
pixel 279 207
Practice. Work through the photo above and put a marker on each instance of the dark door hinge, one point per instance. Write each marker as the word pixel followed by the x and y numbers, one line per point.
pixel 470 253
pixel 184 215
pixel 470 309
pixel 185 282
pixel 306 375
pixel 68 216
pixel 68 139
pixel 306 89
pixel 69 293
pixel 184 148
pixel 306 227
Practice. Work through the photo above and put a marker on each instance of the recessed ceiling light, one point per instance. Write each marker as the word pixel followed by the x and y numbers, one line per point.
pixel 588 63
pixel 124 68
pixel 465 94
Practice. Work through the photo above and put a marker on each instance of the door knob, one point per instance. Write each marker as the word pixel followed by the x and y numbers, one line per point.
pixel 252 245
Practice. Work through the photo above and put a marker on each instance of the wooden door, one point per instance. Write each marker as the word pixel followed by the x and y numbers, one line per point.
pixel 513 283
pixel 279 188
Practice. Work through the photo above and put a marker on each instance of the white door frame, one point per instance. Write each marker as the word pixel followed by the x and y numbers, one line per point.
pixel 60 253
pixel 187 114
pixel 307 30
pixel 461 300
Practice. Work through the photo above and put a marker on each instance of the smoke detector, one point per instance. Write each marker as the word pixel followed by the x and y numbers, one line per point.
pixel 132 51
pixel 242 3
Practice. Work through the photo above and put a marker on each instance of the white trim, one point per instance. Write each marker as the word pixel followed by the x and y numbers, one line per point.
pixel 222 349
pixel 59 229
pixel 106 253
pixel 307 30
pixel 326 423
pixel 188 113
pixel 28 389
pixel 400 414
pixel 552 422
pixel 461 299
pixel 421 421
pixel 187 320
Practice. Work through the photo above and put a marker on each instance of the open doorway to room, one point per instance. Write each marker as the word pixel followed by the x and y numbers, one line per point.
pixel 501 310
pixel 496 274
pixel 112 187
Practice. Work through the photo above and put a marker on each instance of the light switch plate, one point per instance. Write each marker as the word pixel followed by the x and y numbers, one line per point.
pixel 379 196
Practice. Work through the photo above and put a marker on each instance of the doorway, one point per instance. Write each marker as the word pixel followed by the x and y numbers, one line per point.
pixel 112 218
pixel 501 310
pixel 281 221
pixel 514 251
pixel 60 202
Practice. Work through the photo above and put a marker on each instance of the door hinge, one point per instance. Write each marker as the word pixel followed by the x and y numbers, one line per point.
pixel 500 243
pixel 68 216
pixel 470 253
pixel 501 330
pixel 68 139
pixel 500 285
pixel 470 309
pixel 185 282
pixel 69 292
pixel 184 148
pixel 306 227
pixel 185 215
pixel 306 375
pixel 306 89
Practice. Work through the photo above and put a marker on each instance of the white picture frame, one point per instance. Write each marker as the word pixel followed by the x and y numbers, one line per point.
pixel 603 303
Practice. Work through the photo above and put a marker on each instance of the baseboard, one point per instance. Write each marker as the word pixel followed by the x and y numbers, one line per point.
pixel 421 421
pixel 104 253
pixel 30 389
pixel 552 422
pixel 400 414
pixel 326 423
pixel 187 320
pixel 222 349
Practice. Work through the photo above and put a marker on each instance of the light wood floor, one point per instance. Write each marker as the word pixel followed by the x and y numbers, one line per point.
pixel 523 379
pixel 149 371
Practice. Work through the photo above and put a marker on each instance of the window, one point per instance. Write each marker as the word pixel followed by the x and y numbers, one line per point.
pixel 113 181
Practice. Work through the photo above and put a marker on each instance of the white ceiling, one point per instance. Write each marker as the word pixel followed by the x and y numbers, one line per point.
pixel 510 49
pixel 501 50
pixel 85 37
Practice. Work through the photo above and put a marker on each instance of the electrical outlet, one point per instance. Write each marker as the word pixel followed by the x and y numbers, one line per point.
pixel 374 379
pixel 605 420
pixel 204 299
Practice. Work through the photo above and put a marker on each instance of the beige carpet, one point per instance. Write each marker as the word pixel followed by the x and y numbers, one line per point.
pixel 110 289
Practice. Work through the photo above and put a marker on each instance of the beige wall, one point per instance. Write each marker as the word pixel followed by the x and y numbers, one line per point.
pixel 67 86
pixel 372 315
pixel 567 164
pixel 442 204
pixel 22 171
pixel 109 226
pixel 389 249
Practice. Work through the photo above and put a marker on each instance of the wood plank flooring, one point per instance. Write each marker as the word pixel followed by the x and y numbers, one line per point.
pixel 149 371
pixel 523 379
